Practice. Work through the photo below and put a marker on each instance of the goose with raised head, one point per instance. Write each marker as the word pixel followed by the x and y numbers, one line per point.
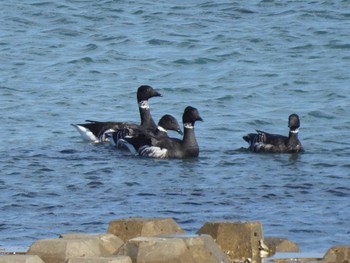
pixel 275 143
pixel 95 131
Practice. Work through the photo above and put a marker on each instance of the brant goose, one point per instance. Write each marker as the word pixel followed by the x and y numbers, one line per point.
pixel 165 147
pixel 167 122
pixel 266 142
pixel 94 131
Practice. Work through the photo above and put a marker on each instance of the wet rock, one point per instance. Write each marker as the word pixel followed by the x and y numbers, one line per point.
pixel 116 259
pixel 175 249
pixel 278 244
pixel 137 226
pixel 20 259
pixel 109 243
pixel 59 250
pixel 293 257
pixel 241 241
pixel 338 254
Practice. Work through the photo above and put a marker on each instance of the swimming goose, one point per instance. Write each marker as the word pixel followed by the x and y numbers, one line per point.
pixel 150 146
pixel 94 131
pixel 167 122
pixel 266 142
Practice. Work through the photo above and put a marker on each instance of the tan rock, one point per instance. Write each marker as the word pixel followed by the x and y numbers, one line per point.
pixel 239 240
pixel 137 226
pixel 115 259
pixel 20 259
pixel 294 257
pixel 109 243
pixel 338 254
pixel 59 250
pixel 278 244
pixel 175 249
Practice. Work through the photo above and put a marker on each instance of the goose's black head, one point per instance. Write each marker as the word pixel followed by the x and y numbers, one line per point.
pixel 293 122
pixel 146 92
pixel 169 122
pixel 191 115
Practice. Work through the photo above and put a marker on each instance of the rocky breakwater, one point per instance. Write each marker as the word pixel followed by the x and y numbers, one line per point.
pixel 162 240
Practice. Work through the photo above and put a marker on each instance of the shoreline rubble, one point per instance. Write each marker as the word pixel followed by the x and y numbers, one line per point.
pixel 158 240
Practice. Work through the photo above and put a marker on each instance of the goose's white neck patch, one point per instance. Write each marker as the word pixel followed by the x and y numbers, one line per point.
pixel 144 104
pixel 161 129
pixel 295 131
pixel 188 126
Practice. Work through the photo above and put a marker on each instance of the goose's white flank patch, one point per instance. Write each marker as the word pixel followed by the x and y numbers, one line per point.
pixel 86 134
pixel 153 151
pixel 105 137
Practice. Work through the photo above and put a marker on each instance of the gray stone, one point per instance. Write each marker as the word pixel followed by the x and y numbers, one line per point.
pixel 109 243
pixel 20 259
pixel 241 241
pixel 337 254
pixel 278 244
pixel 58 250
pixel 294 257
pixel 137 226
pixel 175 249
pixel 115 259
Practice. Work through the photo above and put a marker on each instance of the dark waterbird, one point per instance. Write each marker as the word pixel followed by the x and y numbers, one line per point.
pixel 165 147
pixel 95 131
pixel 275 143
pixel 167 122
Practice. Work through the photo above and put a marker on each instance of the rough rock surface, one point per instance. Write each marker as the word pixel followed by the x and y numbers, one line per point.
pixel 239 240
pixel 58 250
pixel 338 254
pixel 109 243
pixel 138 226
pixel 20 259
pixel 278 244
pixel 175 249
pixel 115 259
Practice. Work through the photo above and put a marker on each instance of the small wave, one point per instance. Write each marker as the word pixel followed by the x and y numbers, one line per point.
pixel 45 169
pixel 146 194
pixel 159 42
pixel 191 203
pixel 81 60
pixel 309 231
pixel 339 192
pixel 320 114
pixel 90 47
pixel 94 184
pixel 338 45
pixel 132 184
pixel 26 195
pixel 198 61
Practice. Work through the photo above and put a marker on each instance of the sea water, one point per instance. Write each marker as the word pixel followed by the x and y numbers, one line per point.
pixel 244 65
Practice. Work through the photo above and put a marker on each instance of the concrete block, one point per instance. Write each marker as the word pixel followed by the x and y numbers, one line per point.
pixel 175 249
pixel 59 250
pixel 278 244
pixel 137 226
pixel 239 240
pixel 109 243
pixel 115 259
pixel 20 259
pixel 338 254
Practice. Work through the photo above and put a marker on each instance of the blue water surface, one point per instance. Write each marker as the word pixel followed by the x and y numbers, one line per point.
pixel 243 65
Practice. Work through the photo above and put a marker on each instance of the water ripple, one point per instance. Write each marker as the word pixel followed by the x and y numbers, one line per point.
pixel 244 65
